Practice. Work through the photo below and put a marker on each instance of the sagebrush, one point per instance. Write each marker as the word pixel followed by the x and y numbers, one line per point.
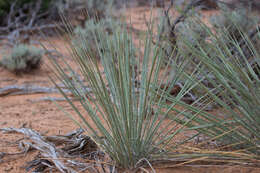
pixel 23 58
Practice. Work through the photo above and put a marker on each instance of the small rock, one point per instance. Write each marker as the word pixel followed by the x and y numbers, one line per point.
pixel 8 169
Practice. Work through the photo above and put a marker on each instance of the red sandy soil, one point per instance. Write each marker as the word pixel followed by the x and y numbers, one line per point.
pixel 45 117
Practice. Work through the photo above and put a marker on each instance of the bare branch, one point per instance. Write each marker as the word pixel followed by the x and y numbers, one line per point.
pixel 75 145
pixel 35 12
pixel 9 22
pixel 21 22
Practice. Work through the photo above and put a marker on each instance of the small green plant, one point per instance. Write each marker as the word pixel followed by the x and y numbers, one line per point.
pixel 22 59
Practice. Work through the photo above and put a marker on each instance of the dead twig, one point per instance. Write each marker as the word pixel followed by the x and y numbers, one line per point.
pixel 22 21
pixel 22 90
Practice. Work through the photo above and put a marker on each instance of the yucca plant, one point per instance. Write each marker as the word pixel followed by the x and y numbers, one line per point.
pixel 124 113
pixel 228 76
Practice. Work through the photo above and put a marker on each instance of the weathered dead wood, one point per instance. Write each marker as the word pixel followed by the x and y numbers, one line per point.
pixel 56 99
pixel 23 90
pixel 56 152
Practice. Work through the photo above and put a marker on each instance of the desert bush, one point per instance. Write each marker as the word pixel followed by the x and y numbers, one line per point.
pixel 228 26
pixel 94 8
pixel 22 59
pixel 85 38
pixel 234 22
pixel 192 31
pixel 19 19
pixel 127 120
pixel 229 22
pixel 228 76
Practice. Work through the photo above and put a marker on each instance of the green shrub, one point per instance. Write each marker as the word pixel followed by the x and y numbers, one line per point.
pixel 124 115
pixel 85 38
pixel 192 31
pixel 93 8
pixel 228 76
pixel 22 59
pixel 98 7
pixel 230 22
pixel 228 26
pixel 234 22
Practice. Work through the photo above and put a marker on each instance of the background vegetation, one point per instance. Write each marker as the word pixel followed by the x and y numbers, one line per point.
pixel 22 59
pixel 189 76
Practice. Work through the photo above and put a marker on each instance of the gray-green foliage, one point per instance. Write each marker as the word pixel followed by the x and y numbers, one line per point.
pixel 22 59
pixel 125 116
pixel 99 6
pixel 94 8
pixel 228 76
pixel 228 26
pixel 192 31
pixel 229 22
pixel 85 38
pixel 234 22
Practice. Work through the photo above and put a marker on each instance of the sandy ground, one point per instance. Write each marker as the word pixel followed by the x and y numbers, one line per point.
pixel 45 117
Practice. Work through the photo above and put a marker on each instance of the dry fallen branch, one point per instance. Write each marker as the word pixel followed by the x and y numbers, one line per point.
pixel 55 99
pixel 61 152
pixel 22 90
